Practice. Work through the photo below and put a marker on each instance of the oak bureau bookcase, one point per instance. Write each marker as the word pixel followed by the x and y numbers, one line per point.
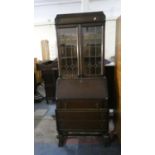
pixel 81 89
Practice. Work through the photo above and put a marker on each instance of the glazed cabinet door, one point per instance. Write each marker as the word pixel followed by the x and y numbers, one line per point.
pixel 68 54
pixel 92 47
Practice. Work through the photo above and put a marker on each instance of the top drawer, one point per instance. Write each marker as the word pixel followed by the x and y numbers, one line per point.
pixel 82 104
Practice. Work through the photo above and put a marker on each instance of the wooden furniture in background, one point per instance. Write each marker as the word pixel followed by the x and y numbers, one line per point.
pixel 110 74
pixel 49 71
pixel 45 50
pixel 37 72
pixel 118 76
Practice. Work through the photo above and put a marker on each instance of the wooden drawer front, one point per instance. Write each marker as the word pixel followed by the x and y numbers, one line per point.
pixel 82 115
pixel 82 104
pixel 84 125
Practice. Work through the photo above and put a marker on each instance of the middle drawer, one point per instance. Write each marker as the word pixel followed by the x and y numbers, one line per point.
pixel 82 104
pixel 82 114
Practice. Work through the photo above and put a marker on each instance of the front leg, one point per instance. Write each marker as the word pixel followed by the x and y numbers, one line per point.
pixel 61 139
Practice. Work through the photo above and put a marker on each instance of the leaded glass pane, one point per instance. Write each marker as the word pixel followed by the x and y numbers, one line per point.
pixel 68 52
pixel 91 50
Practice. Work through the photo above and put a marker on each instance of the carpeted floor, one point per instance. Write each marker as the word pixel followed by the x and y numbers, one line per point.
pixel 45 141
pixel 76 149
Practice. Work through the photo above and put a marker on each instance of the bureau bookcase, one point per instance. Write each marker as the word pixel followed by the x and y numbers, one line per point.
pixel 81 89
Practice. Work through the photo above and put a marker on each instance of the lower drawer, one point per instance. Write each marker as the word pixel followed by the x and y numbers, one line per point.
pixel 83 125
pixel 82 114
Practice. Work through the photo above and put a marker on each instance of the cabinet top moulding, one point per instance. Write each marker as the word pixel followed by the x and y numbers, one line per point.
pixel 75 18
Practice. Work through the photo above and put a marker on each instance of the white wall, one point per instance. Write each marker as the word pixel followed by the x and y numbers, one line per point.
pixel 46 13
pixel 45 32
pixel 110 31
pixel 44 16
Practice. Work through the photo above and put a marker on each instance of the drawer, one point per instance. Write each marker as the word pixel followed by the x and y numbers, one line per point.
pixel 81 115
pixel 82 104
pixel 83 125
